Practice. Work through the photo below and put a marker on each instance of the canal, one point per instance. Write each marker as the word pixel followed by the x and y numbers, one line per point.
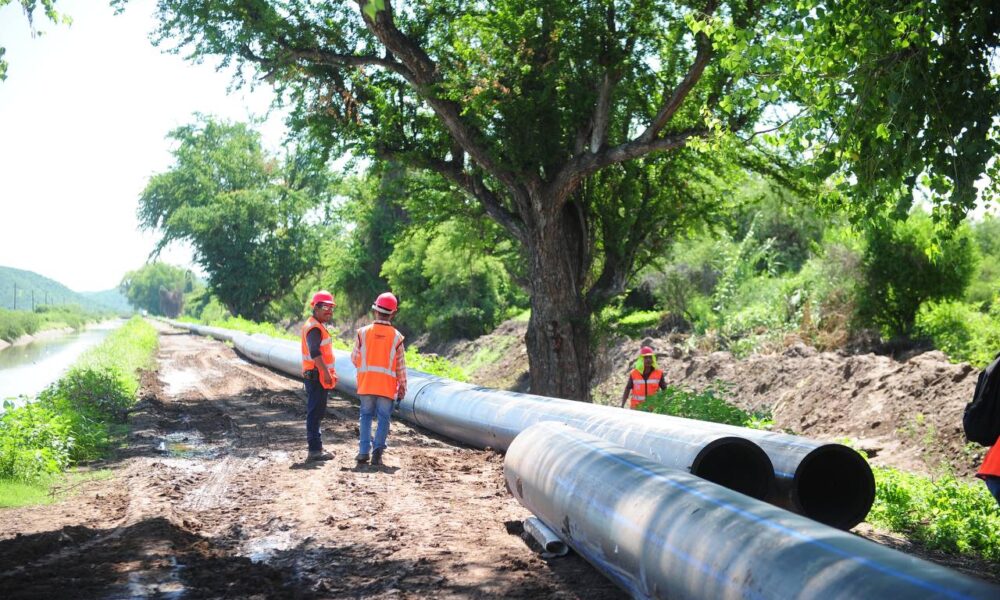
pixel 28 369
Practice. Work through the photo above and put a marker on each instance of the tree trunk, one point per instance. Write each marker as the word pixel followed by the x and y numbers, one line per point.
pixel 558 339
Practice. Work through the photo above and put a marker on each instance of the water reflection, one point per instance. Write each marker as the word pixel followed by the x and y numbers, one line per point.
pixel 27 370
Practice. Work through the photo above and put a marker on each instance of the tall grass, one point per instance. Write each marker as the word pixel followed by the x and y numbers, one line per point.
pixel 15 323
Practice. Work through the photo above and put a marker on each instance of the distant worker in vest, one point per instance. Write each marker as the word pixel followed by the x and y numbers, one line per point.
pixel 644 380
pixel 990 470
pixel 318 370
pixel 379 356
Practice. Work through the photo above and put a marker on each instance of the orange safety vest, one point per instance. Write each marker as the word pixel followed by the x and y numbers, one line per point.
pixel 325 350
pixel 644 388
pixel 376 360
pixel 991 463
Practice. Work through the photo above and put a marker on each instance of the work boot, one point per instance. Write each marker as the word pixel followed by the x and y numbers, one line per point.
pixel 377 457
pixel 318 455
pixel 361 458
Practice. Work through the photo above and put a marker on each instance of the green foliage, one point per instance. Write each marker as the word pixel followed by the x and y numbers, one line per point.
pixel 911 90
pixel 375 215
pixel 447 285
pixel 708 404
pixel 158 288
pixel 908 262
pixel 34 441
pixel 14 324
pixel 243 211
pixel 78 416
pixel 960 330
pixel 435 365
pixel 944 514
pixel 986 283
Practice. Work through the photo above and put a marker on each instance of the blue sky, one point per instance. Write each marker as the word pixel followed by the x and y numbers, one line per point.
pixel 84 115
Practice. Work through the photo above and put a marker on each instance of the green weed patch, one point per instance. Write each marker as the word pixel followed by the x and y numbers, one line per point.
pixel 708 404
pixel 943 514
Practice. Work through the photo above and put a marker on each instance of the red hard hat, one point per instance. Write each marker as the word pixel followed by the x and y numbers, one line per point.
pixel 386 303
pixel 646 351
pixel 322 296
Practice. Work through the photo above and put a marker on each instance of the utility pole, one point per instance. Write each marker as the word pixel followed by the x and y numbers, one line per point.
pixel 15 296
pixel 32 300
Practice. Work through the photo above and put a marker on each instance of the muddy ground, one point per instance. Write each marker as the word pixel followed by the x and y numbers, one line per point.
pixel 211 498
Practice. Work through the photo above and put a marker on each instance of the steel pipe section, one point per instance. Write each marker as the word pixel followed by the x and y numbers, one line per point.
pixel 490 418
pixel 827 482
pixel 663 533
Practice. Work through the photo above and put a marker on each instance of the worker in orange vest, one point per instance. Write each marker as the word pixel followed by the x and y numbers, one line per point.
pixel 644 380
pixel 990 470
pixel 379 356
pixel 318 370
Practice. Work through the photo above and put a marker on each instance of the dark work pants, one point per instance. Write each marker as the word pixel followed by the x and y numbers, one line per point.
pixel 315 409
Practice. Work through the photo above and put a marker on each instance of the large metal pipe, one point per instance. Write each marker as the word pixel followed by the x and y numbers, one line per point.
pixel 490 418
pixel 827 482
pixel 662 533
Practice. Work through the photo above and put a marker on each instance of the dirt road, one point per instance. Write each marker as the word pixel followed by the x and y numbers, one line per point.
pixel 211 498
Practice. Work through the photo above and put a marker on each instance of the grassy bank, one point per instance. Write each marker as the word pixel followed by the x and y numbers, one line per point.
pixel 78 418
pixel 15 323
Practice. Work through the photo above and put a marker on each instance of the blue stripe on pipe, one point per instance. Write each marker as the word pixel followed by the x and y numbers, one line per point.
pixel 790 532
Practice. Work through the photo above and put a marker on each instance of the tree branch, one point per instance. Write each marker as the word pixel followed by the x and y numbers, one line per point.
pixel 424 76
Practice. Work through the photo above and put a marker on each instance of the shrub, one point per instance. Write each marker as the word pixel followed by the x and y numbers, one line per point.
pixel 959 330
pixel 944 514
pixel 34 442
pixel 909 262
pixel 705 405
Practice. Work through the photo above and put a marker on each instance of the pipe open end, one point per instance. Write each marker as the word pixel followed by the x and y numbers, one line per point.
pixel 737 464
pixel 835 486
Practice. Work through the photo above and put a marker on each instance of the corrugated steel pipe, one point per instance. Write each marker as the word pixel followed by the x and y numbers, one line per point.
pixel 662 533
pixel 827 482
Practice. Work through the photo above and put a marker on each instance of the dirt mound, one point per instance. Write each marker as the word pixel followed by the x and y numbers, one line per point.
pixel 903 413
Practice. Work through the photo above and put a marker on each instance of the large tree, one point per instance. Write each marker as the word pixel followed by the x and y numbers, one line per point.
pixel 244 212
pixel 520 104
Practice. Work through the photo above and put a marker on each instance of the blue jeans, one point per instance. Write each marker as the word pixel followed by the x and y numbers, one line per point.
pixel 993 485
pixel 372 406
pixel 315 409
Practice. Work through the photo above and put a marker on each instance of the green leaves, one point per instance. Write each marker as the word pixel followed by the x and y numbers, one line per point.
pixel 246 213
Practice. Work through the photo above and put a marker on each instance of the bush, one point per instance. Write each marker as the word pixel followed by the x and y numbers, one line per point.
pixel 944 514
pixel 34 442
pixel 446 287
pixel 960 331
pixel 907 263
pixel 15 323
pixel 707 405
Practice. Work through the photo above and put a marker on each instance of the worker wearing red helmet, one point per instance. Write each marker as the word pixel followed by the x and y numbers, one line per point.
pixel 318 370
pixel 379 356
pixel 644 380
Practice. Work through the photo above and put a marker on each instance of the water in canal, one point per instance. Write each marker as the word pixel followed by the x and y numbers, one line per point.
pixel 27 370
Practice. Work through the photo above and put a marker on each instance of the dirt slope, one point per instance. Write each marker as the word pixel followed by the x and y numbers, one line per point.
pixel 212 499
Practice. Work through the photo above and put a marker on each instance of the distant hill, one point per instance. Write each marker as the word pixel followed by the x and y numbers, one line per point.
pixel 112 298
pixel 32 287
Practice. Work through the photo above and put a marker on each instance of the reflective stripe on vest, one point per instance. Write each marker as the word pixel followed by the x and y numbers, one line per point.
pixel 378 345
pixel 643 388
pixel 325 347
